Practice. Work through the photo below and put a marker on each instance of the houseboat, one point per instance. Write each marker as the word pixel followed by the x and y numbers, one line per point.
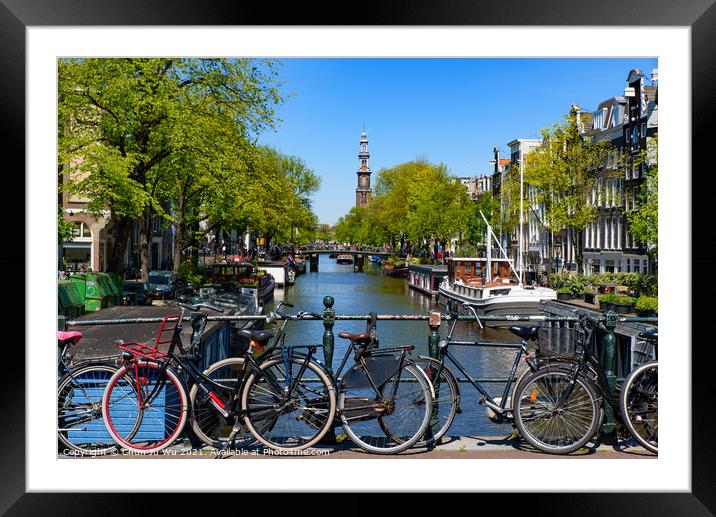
pixel 278 270
pixel 491 285
pixel 245 277
pixel 395 270
pixel 426 278
pixel 344 258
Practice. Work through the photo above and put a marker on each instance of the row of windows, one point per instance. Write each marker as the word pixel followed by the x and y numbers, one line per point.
pixel 627 265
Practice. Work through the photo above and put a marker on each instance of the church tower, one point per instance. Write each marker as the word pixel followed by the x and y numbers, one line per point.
pixel 363 192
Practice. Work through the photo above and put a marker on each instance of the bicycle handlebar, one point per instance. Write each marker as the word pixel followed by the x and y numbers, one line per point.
pixel 198 306
pixel 474 313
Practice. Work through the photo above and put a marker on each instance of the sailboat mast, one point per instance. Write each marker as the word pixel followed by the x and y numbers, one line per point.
pixel 522 182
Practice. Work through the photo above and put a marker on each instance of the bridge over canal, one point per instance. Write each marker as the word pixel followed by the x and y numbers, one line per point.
pixel 358 256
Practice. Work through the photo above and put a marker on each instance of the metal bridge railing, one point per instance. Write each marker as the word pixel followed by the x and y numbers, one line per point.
pixel 329 317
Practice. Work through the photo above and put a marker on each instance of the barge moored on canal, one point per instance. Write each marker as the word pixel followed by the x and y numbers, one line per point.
pixel 426 278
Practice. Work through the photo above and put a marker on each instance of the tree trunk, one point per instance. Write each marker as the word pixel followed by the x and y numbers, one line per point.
pixel 578 252
pixel 550 247
pixel 121 229
pixel 180 236
pixel 145 236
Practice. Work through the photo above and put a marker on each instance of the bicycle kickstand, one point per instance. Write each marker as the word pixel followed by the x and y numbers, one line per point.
pixel 230 443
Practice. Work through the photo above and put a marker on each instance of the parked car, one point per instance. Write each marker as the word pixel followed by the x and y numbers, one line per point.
pixel 162 284
pixel 136 293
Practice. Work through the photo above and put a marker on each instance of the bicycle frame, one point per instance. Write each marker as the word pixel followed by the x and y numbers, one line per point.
pixel 444 353
pixel 208 385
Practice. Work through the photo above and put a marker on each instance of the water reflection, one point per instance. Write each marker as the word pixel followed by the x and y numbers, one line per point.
pixel 360 293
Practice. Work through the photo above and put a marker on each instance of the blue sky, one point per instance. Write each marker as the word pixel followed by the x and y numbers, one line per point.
pixel 452 111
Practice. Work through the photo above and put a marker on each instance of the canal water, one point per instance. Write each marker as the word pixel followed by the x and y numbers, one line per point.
pixel 360 293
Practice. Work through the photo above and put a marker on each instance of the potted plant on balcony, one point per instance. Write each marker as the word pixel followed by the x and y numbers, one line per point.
pixel 623 303
pixel 564 293
pixel 589 294
pixel 647 306
pixel 606 301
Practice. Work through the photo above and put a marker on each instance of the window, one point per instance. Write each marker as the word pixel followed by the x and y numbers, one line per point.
pixel 636 266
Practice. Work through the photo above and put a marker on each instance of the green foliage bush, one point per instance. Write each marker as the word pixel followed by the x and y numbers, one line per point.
pixel 191 274
pixel 607 298
pixel 637 284
pixel 623 299
pixel 647 304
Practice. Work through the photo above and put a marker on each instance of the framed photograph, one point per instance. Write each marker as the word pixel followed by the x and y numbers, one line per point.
pixel 461 91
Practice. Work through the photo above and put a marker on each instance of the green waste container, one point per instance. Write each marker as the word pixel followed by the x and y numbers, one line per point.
pixel 97 292
pixel 79 280
pixel 112 292
pixel 70 303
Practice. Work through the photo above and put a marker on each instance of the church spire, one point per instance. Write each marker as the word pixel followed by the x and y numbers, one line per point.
pixel 363 192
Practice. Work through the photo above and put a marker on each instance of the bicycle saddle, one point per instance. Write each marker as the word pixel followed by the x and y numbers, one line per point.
pixel 260 336
pixel 64 337
pixel 525 332
pixel 361 339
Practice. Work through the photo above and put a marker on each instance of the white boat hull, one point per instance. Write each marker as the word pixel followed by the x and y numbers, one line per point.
pixel 515 300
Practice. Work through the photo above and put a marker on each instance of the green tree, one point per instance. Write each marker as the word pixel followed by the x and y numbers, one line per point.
pixel 435 205
pixel 564 171
pixel 65 229
pixel 121 120
pixel 474 228
pixel 644 219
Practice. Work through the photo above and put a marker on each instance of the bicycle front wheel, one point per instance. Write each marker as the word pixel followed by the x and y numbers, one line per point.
pixel 289 419
pixel 385 424
pixel 80 425
pixel 556 412
pixel 445 402
pixel 639 401
pixel 208 424
pixel 145 407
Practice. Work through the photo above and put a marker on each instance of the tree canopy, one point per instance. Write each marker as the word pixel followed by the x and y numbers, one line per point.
pixel 174 138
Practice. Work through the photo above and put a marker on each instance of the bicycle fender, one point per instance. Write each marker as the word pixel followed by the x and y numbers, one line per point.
pixel 425 376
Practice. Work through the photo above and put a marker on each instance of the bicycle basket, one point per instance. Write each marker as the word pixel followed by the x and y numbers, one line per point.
pixel 554 341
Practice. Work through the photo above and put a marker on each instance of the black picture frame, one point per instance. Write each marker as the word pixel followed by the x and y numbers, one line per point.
pixel 699 15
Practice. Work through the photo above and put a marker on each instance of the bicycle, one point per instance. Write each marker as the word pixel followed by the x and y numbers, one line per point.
pixel 384 399
pixel 639 399
pixel 270 398
pixel 559 407
pixel 446 404
pixel 375 398
pixel 80 425
pixel 209 425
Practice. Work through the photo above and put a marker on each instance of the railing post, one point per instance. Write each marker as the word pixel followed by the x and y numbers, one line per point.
pixel 62 322
pixel 434 320
pixel 609 349
pixel 434 337
pixel 329 319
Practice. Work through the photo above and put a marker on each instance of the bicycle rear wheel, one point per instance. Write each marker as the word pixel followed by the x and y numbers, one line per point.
pixel 289 420
pixel 208 424
pixel 380 424
pixel 136 422
pixel 639 403
pixel 80 425
pixel 548 419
